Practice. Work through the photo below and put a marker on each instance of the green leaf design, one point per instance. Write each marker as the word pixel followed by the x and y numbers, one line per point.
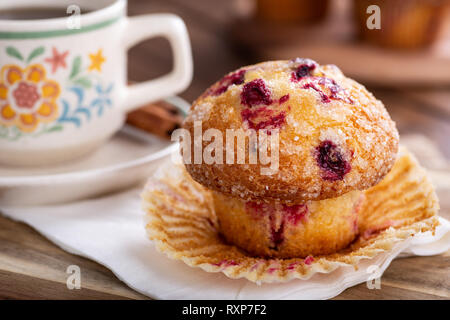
pixel 16 134
pixel 13 52
pixel 76 67
pixel 36 52
pixel 3 131
pixel 46 129
pixel 10 134
pixel 84 82
pixel 55 128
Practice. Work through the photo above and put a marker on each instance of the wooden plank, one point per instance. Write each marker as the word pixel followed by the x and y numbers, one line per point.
pixel 404 279
pixel 413 117
pixel 18 286
pixel 25 254
pixel 31 262
pixel 361 292
pixel 436 100
pixel 368 64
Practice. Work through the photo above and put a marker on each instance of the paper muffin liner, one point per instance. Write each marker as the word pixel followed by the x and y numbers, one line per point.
pixel 180 219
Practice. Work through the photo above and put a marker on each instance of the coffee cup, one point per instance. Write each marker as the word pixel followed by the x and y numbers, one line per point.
pixel 63 80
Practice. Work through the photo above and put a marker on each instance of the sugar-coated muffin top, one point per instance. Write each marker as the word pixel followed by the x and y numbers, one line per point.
pixel 334 135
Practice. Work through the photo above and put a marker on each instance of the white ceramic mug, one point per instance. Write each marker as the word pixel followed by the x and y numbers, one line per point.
pixel 63 81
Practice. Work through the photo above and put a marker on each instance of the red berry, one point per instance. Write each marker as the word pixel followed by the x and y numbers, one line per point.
pixel 276 232
pixel 323 96
pixel 335 91
pixel 283 99
pixel 308 260
pixel 304 68
pixel 331 161
pixel 256 93
pixel 295 213
pixel 263 118
pixel 235 78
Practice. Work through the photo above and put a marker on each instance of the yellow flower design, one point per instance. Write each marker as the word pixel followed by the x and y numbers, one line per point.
pixel 27 97
pixel 97 60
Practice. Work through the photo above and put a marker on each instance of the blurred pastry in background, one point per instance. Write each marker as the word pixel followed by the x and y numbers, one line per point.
pixel 405 24
pixel 291 11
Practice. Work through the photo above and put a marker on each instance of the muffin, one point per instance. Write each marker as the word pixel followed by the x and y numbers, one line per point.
pixel 282 11
pixel 285 231
pixel 334 140
pixel 405 24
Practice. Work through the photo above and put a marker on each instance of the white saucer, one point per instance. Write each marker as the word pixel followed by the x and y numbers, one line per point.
pixel 127 159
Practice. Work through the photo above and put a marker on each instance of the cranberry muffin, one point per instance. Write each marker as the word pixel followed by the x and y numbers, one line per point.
pixel 291 11
pixel 334 135
pixel 335 139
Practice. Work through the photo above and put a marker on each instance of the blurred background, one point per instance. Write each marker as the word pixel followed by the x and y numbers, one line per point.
pixel 406 63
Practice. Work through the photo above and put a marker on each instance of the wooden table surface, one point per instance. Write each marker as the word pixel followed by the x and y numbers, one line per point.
pixel 31 267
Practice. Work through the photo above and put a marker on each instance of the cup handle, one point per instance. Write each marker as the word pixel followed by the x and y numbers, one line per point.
pixel 173 28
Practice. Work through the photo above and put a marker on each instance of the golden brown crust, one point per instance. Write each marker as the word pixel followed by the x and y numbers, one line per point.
pixel 325 112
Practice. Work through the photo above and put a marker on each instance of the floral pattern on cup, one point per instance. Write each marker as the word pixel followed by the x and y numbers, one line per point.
pixel 27 97
pixel 31 103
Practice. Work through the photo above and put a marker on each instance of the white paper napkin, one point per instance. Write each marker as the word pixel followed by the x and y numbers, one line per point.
pixel 110 231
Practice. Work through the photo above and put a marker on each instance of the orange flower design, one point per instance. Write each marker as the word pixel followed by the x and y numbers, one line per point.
pixel 27 97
